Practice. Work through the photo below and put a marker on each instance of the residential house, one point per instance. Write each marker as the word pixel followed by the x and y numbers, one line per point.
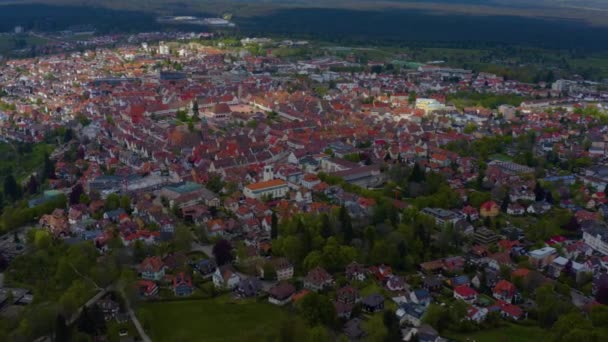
pixel 432 283
pixel 56 223
pixel 152 268
pixel 109 308
pixel 182 285
pixel 477 314
pixel 420 296
pixel 206 267
pixel 426 333
pixel 347 295
pixel 353 329
pixel 382 272
pixel 282 267
pixel 410 313
pixel 318 279
pixel 515 209
pixel 489 209
pixel 281 293
pixel 460 280
pixel 225 277
pixel 396 283
pixel 343 310
pixel 596 237
pixel 470 213
pixel 465 293
pixel 355 271
pixel 542 257
pixel 373 303
pixel 505 291
pixel 507 310
pixel 249 287
pixel 538 208
pixel 147 288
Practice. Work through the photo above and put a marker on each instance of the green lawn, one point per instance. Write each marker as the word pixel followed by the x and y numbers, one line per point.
pixel 218 319
pixel 508 333
pixel 9 43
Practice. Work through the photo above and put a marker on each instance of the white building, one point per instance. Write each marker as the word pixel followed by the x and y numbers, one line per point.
pixel 597 238
pixel 429 105
pixel 275 188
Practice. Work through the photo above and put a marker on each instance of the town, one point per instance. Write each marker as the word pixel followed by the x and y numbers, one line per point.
pixel 191 187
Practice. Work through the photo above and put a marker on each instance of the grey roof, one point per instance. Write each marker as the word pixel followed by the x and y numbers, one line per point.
pixel 373 300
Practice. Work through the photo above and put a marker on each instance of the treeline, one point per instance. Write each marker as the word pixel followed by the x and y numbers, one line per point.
pixel 486 100
pixel 334 240
pixel 41 17
pixel 19 216
pixel 61 278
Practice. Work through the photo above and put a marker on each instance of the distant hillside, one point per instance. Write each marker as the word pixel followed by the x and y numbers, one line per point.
pixel 544 23
pixel 591 11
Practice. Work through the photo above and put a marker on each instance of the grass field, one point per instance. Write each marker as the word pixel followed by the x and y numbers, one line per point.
pixel 508 333
pixel 8 43
pixel 218 319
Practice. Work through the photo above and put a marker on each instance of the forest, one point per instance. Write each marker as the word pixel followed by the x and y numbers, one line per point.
pixel 346 24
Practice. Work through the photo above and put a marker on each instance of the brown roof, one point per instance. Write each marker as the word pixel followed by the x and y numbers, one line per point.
pixel 282 291
pixel 267 184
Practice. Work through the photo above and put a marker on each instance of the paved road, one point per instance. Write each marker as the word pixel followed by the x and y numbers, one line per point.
pixel 137 324
pixel 90 302
pixel 207 249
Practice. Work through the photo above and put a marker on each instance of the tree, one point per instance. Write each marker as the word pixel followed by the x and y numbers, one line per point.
pixel 125 203
pixel 274 226
pixel 222 251
pixel 505 202
pixel 48 171
pixel 599 315
pixel 549 197
pixel 550 306
pixel 375 329
pixel 195 108
pixel 601 294
pixel 437 317
pixel 42 239
pixel 269 272
pixel 318 334
pixel 76 193
pixel 566 323
pixel 326 230
pixel 32 185
pixel 68 135
pixel 215 183
pixel 539 192
pixel 417 174
pixel 411 97
pixel 312 260
pixel 572 225
pixel 62 332
pixel 11 188
pixel 391 322
pixel 317 309
pixel 182 241
pixel 347 226
pixel 112 202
